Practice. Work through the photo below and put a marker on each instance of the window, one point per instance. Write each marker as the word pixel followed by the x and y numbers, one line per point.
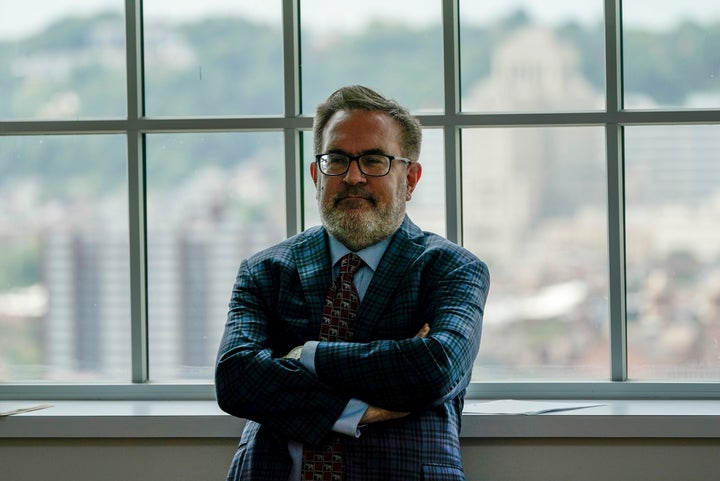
pixel 147 147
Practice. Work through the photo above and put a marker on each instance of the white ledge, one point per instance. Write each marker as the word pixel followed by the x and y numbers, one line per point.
pixel 203 419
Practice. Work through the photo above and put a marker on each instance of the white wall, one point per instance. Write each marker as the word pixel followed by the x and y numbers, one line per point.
pixel 504 459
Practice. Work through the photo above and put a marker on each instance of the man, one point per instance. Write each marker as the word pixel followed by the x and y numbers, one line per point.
pixel 389 395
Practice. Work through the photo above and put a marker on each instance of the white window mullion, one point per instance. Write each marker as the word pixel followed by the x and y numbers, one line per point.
pixel 293 108
pixel 615 190
pixel 136 191
pixel 451 138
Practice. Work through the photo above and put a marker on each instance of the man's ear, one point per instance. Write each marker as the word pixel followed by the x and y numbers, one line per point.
pixel 314 173
pixel 413 177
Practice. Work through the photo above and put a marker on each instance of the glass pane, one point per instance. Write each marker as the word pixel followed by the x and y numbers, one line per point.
pixel 383 45
pixel 62 59
pixel 522 55
pixel 670 54
pixel 534 208
pixel 427 207
pixel 213 57
pixel 64 263
pixel 213 199
pixel 673 251
pixel 310 206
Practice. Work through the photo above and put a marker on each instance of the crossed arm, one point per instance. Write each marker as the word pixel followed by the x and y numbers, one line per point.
pixel 394 377
pixel 375 414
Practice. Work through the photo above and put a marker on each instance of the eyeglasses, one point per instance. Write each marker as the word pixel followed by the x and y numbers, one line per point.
pixel 372 165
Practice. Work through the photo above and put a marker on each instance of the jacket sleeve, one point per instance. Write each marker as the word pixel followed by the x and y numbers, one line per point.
pixel 253 381
pixel 417 373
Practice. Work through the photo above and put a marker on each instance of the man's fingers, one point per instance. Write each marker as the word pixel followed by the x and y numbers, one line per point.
pixel 424 331
pixel 377 415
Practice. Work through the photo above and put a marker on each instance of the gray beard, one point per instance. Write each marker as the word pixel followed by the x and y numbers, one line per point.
pixel 361 229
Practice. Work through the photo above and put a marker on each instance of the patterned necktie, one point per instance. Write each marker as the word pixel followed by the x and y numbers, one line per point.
pixel 324 463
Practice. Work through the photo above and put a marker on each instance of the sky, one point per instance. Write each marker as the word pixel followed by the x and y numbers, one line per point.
pixel 23 17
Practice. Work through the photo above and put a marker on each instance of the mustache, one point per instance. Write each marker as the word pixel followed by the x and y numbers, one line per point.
pixel 354 192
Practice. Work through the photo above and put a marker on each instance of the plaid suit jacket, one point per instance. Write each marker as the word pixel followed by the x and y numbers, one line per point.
pixel 276 304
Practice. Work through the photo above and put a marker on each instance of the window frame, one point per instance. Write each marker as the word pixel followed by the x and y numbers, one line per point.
pixel 293 123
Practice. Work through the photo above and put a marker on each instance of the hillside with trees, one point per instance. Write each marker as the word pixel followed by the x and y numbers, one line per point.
pixel 75 69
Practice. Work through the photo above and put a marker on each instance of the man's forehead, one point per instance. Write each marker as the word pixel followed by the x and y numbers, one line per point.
pixel 357 126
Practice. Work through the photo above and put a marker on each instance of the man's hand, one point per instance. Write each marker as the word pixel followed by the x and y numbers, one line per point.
pixel 424 331
pixel 377 415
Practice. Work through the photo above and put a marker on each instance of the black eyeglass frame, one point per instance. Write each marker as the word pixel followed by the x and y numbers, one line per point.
pixel 357 158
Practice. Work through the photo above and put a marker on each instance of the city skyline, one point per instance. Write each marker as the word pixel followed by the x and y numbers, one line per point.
pixel 546 248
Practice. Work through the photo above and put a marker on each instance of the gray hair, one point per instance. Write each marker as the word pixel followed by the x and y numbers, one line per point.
pixel 357 97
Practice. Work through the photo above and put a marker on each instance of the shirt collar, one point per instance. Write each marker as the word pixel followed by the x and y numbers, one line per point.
pixel 370 255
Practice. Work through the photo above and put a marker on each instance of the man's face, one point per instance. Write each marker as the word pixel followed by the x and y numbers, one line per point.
pixel 357 209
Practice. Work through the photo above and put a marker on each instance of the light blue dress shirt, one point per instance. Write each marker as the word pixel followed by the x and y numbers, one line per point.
pixel 349 420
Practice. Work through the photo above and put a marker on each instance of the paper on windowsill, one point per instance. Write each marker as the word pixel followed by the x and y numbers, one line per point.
pixel 21 410
pixel 513 406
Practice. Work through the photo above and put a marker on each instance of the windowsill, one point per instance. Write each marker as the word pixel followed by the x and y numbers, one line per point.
pixel 203 419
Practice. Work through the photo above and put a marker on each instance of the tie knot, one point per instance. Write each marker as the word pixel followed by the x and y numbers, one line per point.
pixel 350 263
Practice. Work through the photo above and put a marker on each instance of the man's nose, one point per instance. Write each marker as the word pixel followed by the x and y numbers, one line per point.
pixel 354 176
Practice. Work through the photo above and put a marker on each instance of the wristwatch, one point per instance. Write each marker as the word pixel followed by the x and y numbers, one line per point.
pixel 295 353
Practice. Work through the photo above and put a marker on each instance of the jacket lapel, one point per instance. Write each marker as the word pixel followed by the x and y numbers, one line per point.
pixel 312 258
pixel 397 260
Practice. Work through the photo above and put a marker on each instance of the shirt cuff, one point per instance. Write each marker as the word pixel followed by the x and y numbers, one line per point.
pixel 307 355
pixel 349 420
